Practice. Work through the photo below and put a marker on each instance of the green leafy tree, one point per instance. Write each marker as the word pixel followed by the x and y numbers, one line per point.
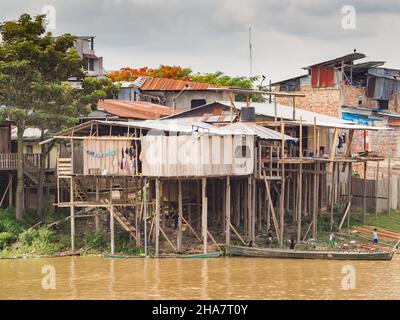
pixel 34 69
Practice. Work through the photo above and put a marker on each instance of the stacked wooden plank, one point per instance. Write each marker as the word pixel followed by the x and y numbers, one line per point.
pixel 389 234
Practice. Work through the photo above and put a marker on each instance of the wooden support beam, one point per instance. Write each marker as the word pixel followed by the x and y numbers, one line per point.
pixel 228 211
pixel 272 209
pixel 169 242
pixel 204 215
pixel 315 206
pixel 191 229
pixel 157 220
pixel 10 189
pixel 349 194
pixel 365 192
pixel 333 148
pixel 5 192
pixel 346 213
pixel 180 213
pixel 237 233
pixel 349 143
pixel 112 230
pixel 213 240
pixel 299 203
pixel 282 200
pixel 145 204
pixel 335 166
pixel 389 185
pixel 97 217
pixel 376 189
pixel 72 214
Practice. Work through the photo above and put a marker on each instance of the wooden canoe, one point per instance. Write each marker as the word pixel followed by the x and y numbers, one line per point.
pixel 208 255
pixel 296 254
pixel 121 257
pixel 202 255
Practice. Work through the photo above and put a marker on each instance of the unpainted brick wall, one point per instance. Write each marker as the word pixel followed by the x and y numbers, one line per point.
pixel 321 100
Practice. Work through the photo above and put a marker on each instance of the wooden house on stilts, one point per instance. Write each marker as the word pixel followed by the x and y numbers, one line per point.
pixel 208 176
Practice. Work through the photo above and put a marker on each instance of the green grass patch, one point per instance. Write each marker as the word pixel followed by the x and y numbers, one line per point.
pixel 385 221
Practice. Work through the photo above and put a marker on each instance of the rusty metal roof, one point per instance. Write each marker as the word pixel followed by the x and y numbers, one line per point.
pixel 348 58
pixel 134 109
pixel 165 84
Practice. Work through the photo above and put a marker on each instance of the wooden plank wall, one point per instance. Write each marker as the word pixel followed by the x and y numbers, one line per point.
pixel 188 156
pixel 109 163
pixel 358 190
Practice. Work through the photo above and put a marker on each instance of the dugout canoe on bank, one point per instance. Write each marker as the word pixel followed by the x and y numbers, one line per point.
pixel 296 254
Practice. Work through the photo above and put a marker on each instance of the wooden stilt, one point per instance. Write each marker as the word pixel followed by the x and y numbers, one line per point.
pixel 112 231
pixel 245 191
pixel 163 215
pixel 365 192
pixel 204 213
pixel 145 204
pixel 349 194
pixel 268 206
pixel 10 189
pixel 180 212
pixel 271 206
pixel 259 208
pixel 376 189
pixel 333 194
pixel 72 214
pixel 282 202
pixel 299 206
pixel 97 217
pixel 249 209
pixel 228 211
pixel 389 185
pixel 315 209
pixel 253 210
pixel 237 203
pixel 157 220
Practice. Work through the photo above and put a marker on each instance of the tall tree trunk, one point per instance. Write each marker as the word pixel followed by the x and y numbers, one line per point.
pixel 19 195
pixel 39 191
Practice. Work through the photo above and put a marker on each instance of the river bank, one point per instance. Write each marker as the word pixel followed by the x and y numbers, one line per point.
pixel 50 237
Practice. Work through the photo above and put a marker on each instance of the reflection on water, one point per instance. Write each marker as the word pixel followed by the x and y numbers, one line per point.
pixel 225 278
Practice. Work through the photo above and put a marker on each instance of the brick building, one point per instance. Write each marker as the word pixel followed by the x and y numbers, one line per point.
pixel 363 92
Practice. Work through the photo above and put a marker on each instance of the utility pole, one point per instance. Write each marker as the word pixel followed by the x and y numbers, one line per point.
pixel 251 53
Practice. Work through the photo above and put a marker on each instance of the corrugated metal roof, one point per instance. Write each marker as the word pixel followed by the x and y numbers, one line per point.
pixel 239 128
pixel 285 112
pixel 209 118
pixel 165 84
pixel 134 109
pixel 256 130
pixel 348 58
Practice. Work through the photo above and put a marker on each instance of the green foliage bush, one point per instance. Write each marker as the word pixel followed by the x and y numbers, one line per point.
pixel 96 240
pixel 6 239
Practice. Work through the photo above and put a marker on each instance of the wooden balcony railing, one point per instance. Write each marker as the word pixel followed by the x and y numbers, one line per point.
pixel 8 161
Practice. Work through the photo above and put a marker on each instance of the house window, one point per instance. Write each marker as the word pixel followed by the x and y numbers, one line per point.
pixel 383 104
pixel 242 152
pixel 29 149
pixel 91 65
pixel 197 103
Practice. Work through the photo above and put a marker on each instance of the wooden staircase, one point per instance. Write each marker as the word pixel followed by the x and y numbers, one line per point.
pixel 79 192
pixel 122 220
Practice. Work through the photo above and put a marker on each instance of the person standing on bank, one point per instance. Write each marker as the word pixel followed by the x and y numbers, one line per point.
pixel 269 238
pixel 376 236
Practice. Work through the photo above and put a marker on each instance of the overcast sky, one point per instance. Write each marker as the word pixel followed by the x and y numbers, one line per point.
pixel 209 35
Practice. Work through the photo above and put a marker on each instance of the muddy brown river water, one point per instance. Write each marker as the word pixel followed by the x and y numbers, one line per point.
pixel 224 278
